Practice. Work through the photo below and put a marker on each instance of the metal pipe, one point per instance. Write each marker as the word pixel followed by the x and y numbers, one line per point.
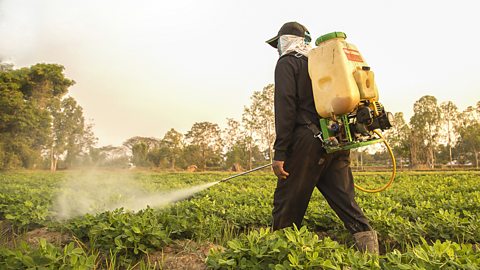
pixel 243 173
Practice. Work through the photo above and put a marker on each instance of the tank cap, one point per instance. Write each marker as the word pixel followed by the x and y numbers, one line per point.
pixel 330 36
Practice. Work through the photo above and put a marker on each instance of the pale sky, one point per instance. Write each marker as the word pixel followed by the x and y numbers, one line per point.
pixel 143 67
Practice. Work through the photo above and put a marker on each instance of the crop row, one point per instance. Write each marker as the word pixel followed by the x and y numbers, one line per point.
pixel 294 248
pixel 420 212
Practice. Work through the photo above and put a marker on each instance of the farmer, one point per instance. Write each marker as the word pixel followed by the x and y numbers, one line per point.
pixel 300 162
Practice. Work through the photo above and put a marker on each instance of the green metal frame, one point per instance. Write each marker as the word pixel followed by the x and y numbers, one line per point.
pixel 350 144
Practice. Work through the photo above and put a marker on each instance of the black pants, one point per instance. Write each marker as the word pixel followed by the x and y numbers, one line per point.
pixel 309 166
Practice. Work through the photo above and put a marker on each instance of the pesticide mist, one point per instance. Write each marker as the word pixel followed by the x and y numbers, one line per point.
pixel 95 192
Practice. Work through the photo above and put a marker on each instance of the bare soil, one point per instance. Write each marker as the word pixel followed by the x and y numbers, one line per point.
pixel 52 237
pixel 7 234
pixel 181 254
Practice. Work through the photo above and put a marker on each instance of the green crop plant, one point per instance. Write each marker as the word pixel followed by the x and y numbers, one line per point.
pixel 129 235
pixel 418 216
pixel 293 248
pixel 290 248
pixel 47 256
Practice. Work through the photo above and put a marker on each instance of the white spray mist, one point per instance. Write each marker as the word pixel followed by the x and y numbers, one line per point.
pixel 96 192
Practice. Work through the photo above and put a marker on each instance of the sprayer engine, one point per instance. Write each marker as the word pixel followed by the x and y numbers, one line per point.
pixel 355 129
pixel 345 94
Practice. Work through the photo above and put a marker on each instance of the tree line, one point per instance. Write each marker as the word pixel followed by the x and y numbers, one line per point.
pixel 42 127
pixel 437 134
pixel 243 144
pixel 40 124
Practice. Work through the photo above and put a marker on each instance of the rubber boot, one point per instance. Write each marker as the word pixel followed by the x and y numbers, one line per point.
pixel 367 241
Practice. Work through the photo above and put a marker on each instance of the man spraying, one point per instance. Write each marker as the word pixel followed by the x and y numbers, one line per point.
pixel 300 161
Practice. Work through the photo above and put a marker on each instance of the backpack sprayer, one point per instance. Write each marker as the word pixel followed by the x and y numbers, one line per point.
pixel 346 100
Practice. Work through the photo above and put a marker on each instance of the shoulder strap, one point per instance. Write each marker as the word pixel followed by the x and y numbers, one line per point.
pixel 312 127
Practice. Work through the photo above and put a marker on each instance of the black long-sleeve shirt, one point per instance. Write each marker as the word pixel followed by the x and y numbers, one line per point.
pixel 293 98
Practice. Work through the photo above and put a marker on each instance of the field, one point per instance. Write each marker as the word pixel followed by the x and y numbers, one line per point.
pixel 425 221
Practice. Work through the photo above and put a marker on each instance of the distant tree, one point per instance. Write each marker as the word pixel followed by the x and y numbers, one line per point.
pixel 150 142
pixel 398 137
pixel 245 155
pixel 95 156
pixel 44 85
pixel 109 156
pixel 191 155
pixel 470 141
pixel 173 142
pixel 240 147
pixel 145 151
pixel 71 136
pixel 29 98
pixel 469 131
pixel 232 133
pixel 158 156
pixel 426 123
pixel 5 67
pixel 232 136
pixel 249 136
pixel 449 120
pixel 259 117
pixel 443 154
pixel 470 115
pixel 206 137
pixel 140 154
pixel 417 149
pixel 23 128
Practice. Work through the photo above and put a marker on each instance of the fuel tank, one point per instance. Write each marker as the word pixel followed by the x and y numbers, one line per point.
pixel 340 76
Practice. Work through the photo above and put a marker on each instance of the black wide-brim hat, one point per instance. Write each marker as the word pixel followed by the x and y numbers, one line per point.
pixel 289 28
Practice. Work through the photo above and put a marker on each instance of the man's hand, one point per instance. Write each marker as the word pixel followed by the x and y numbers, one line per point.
pixel 277 167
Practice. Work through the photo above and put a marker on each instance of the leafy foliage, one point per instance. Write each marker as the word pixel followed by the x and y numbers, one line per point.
pixel 36 118
pixel 421 220
pixel 293 248
pixel 129 235
pixel 206 137
pixel 46 256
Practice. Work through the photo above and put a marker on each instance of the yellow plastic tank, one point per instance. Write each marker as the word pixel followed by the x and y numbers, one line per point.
pixel 340 76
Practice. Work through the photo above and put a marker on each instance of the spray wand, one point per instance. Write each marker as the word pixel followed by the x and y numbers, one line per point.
pixel 217 182
pixel 357 186
pixel 243 173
